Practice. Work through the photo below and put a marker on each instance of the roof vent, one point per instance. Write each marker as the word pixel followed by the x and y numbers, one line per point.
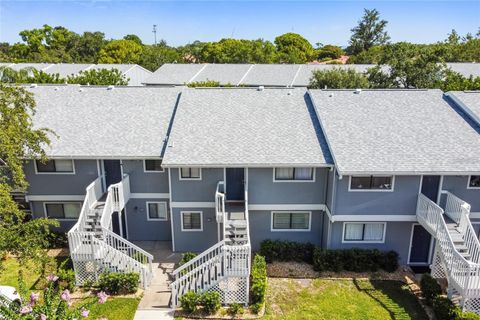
pixel 80 90
pixel 289 93
pixel 33 85
pixel 358 91
pixel 331 94
pixel 261 88
pixel 110 87
pixel 56 88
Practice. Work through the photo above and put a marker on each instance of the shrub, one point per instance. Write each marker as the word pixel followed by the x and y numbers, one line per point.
pixel 66 275
pixel 118 283
pixel 466 315
pixel 256 307
pixel 210 302
pixel 235 308
pixel 282 250
pixel 57 240
pixel 430 288
pixel 356 260
pixel 258 280
pixel 443 308
pixel 189 301
pixel 187 256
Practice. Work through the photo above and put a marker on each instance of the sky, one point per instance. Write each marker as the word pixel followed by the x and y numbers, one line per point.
pixel 181 22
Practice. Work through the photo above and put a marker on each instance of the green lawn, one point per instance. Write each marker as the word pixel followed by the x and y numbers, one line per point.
pixel 115 309
pixel 9 274
pixel 341 299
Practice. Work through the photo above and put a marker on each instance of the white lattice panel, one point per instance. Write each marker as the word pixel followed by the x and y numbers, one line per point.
pixel 438 271
pixel 86 271
pixel 472 305
pixel 232 290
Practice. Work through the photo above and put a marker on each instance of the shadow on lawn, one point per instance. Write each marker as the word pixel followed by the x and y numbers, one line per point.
pixel 400 303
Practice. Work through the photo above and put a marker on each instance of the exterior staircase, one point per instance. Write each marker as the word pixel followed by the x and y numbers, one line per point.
pixel 94 247
pixel 224 267
pixel 457 249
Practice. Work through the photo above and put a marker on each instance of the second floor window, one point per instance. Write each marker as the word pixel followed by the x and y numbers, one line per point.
pixel 66 210
pixel 293 174
pixel 54 166
pixel 153 165
pixel 190 174
pixel 377 183
pixel 474 182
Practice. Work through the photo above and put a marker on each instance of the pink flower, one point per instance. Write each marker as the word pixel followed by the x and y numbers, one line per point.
pixel 65 296
pixel 52 278
pixel 34 298
pixel 84 312
pixel 43 317
pixel 102 297
pixel 25 310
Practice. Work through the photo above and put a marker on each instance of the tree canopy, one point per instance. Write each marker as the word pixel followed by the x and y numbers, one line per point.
pixel 369 32
pixel 120 51
pixel 338 79
pixel 293 48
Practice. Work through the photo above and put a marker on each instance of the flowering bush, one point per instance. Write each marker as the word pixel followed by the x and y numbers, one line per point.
pixel 56 304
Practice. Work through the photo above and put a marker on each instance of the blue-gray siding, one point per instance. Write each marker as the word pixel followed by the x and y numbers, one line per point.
pixel 145 182
pixel 401 201
pixel 397 238
pixel 262 189
pixel 196 190
pixel 61 184
pixel 196 241
pixel 140 228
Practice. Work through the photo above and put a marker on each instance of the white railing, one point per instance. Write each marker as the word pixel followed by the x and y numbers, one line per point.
pixel 117 197
pixel 463 274
pixel 220 201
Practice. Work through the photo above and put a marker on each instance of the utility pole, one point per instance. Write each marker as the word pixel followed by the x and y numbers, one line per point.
pixel 155 33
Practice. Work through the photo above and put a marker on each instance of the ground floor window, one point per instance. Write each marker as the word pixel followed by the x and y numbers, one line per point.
pixel 65 210
pixel 157 211
pixel 291 221
pixel 364 232
pixel 192 221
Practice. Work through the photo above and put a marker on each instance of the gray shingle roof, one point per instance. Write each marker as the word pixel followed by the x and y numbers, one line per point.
pixel 396 131
pixel 280 75
pixel 465 68
pixel 245 127
pixel 174 74
pixel 94 122
pixel 223 73
pixel 67 69
pixel 469 101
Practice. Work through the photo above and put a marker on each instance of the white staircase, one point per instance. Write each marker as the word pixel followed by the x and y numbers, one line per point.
pixel 457 249
pixel 224 267
pixel 96 249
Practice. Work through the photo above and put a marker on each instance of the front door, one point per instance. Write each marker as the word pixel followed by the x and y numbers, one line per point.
pixel 420 246
pixel 113 172
pixel 430 185
pixel 235 184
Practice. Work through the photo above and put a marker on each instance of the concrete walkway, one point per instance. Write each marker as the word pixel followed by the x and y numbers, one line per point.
pixel 156 299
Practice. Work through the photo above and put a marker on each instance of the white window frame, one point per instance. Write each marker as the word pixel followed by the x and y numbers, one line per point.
pixel 55 172
pixel 293 180
pixel 364 241
pixel 468 182
pixel 191 230
pixel 291 230
pixel 158 203
pixel 189 179
pixel 45 213
pixel 151 171
pixel 370 190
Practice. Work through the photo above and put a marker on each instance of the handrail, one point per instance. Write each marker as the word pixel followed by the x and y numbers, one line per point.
pixel 220 201
pixel 118 195
pixel 198 260
pixel 94 192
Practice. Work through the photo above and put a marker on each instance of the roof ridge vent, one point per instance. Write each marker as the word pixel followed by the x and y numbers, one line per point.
pixel 358 91
pixel 261 88
pixel 110 87
pixel 33 85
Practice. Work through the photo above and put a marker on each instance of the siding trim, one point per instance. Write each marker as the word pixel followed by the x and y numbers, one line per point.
pixel 55 198
pixel 150 195
pixel 374 218
pixel 172 229
pixel 295 207
pixel 474 215
pixel 177 204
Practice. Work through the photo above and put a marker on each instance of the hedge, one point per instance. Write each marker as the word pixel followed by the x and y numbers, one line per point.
pixel 356 260
pixel 118 283
pixel 283 250
pixel 258 282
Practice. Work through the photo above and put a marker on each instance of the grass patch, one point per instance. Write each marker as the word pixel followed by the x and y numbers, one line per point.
pixel 341 299
pixel 9 274
pixel 115 309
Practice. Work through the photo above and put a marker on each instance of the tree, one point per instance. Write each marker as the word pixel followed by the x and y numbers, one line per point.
pixel 154 56
pixel 329 52
pixel 409 66
pixel 19 140
pixel 238 51
pixel 99 77
pixel 293 48
pixel 120 51
pixel 454 81
pixel 369 32
pixel 134 38
pixel 337 78
pixel 87 46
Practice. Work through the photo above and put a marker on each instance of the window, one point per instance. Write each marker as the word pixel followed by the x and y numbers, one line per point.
pixel 190 174
pixel 474 182
pixel 377 183
pixel 157 211
pixel 293 174
pixel 153 165
pixel 192 221
pixel 364 232
pixel 67 210
pixel 54 166
pixel 291 221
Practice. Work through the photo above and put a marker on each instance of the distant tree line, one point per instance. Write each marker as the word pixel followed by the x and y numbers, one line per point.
pixel 369 43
